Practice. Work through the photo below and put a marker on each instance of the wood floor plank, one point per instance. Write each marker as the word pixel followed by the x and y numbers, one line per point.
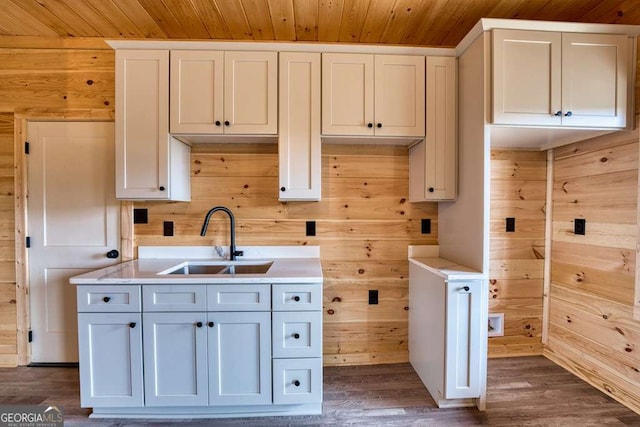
pixel 523 391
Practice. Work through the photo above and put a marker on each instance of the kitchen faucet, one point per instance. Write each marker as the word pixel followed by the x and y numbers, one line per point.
pixel 232 240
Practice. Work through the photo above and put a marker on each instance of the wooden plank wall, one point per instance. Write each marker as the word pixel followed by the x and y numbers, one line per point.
pixel 592 332
pixel 8 314
pixel 518 190
pixel 49 82
pixel 364 224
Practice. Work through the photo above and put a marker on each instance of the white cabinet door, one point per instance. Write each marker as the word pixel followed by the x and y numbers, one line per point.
pixel 142 124
pixel 110 347
pixel 594 80
pixel 297 334
pixel 347 94
pixel 527 77
pixel 399 95
pixel 299 147
pixel 251 93
pixel 239 353
pixel 297 381
pixel 175 359
pixel 197 91
pixel 433 162
pixel 462 373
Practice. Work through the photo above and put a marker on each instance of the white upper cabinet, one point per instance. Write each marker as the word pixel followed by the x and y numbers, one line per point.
pixel 594 79
pixel 399 95
pixel 544 78
pixel 149 164
pixel 433 162
pixel 215 92
pixel 367 95
pixel 299 147
pixel 197 91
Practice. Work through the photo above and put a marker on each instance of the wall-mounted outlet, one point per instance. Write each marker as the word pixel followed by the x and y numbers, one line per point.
pixel 580 226
pixel 510 225
pixel 373 296
pixel 167 228
pixel 425 226
pixel 140 216
pixel 311 228
pixel 496 325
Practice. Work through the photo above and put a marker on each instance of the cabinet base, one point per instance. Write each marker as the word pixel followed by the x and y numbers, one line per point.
pixel 183 412
pixel 456 403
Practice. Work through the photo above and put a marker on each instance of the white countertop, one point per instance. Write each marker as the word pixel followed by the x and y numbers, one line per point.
pixel 428 257
pixel 290 265
pixel 449 270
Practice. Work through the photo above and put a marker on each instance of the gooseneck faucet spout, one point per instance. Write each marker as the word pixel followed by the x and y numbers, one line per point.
pixel 232 226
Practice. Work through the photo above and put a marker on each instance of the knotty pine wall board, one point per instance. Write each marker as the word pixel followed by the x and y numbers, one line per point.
pixel 364 224
pixel 518 190
pixel 592 331
pixel 8 314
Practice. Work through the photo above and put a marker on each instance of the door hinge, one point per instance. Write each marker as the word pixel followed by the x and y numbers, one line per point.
pixel 30 336
pixel 26 147
pixel 27 242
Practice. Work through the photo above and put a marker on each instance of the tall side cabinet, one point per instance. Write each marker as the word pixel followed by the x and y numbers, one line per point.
pixel 299 147
pixel 150 164
pixel 433 161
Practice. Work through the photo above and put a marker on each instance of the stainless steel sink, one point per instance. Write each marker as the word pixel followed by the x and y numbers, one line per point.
pixel 215 268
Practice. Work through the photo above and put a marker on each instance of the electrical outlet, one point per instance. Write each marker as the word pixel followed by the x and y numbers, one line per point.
pixel 510 225
pixel 580 226
pixel 373 296
pixel 140 216
pixel 311 228
pixel 425 226
pixel 496 325
pixel 167 228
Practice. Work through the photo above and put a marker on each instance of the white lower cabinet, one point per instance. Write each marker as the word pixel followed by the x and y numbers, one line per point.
pixel 110 359
pixel 445 333
pixel 297 380
pixel 239 354
pixel 208 350
pixel 175 359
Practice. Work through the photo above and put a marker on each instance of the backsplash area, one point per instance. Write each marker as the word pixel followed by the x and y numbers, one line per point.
pixel 363 225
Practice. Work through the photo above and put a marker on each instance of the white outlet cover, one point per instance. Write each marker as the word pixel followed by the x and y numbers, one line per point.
pixel 496 325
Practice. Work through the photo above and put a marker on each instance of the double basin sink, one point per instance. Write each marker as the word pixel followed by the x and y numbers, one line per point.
pixel 214 268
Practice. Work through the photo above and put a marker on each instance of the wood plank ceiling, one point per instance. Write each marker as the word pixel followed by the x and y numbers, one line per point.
pixel 407 22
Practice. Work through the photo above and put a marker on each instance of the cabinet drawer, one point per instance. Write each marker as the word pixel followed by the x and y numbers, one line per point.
pixel 297 297
pixel 238 297
pixel 297 334
pixel 174 297
pixel 109 298
pixel 297 380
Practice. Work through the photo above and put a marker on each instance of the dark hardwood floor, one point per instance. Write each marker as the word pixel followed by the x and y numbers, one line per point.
pixel 529 391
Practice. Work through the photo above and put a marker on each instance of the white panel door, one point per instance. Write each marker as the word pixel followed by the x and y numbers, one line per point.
pixel 196 93
pixel 462 374
pixel 594 80
pixel 399 95
pixel 347 94
pixel 110 359
pixel 299 147
pixel 526 77
pixel 251 93
pixel 175 359
pixel 239 352
pixel 73 222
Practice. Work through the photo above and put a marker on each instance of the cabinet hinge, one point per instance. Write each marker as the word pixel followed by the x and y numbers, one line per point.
pixel 26 147
pixel 30 336
pixel 27 241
